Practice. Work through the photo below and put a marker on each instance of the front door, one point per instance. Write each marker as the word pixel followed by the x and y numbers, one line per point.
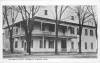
pixel 63 45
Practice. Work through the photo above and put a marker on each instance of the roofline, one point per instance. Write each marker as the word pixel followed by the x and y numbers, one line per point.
pixel 64 22
pixel 52 20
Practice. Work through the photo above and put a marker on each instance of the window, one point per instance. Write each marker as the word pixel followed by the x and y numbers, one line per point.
pixel 64 29
pixel 91 45
pixel 41 44
pixel 51 27
pixel 91 32
pixel 32 44
pixel 44 43
pixel 13 30
pixel 16 30
pixel 46 12
pixel 72 45
pixel 16 44
pixel 72 17
pixel 51 43
pixel 86 32
pixel 22 43
pixel 71 30
pixel 77 31
pixel 43 27
pixel 85 45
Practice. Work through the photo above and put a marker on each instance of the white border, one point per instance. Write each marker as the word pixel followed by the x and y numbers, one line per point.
pixel 51 2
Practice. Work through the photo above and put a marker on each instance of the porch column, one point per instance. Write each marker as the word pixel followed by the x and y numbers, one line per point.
pixel 55 28
pixel 41 26
pixel 43 41
pixel 66 44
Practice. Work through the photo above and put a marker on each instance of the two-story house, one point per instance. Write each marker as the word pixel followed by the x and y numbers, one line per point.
pixel 43 35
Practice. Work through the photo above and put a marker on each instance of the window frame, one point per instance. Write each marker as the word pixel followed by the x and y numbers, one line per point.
pixel 77 31
pixel 41 43
pixel 72 30
pixel 16 30
pixel 91 32
pixel 86 32
pixel 31 43
pixel 22 43
pixel 45 12
pixel 51 43
pixel 85 45
pixel 16 44
pixel 44 43
pixel 72 18
pixel 72 45
pixel 92 45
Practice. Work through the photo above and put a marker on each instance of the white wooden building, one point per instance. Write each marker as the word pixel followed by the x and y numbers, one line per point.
pixel 43 36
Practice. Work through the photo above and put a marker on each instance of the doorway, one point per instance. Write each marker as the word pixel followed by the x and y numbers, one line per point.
pixel 63 45
pixel 25 46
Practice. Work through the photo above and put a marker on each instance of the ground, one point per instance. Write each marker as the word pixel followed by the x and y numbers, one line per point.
pixel 49 55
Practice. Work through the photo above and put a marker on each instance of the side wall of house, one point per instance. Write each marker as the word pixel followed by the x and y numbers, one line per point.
pixel 89 39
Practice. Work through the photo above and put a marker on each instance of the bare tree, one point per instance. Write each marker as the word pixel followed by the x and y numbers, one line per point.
pixel 82 14
pixel 12 13
pixel 59 11
pixel 28 13
pixel 92 12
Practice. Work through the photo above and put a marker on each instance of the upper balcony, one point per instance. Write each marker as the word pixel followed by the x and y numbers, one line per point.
pixel 48 29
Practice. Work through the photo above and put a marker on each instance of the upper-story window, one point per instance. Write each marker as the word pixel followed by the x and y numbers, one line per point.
pixel 72 17
pixel 91 32
pixel 16 30
pixel 77 31
pixel 51 28
pixel 64 29
pixel 71 30
pixel 45 12
pixel 86 32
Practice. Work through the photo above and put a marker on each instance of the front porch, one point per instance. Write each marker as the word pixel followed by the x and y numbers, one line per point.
pixel 47 44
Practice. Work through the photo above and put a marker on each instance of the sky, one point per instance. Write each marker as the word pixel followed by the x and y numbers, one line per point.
pixel 66 16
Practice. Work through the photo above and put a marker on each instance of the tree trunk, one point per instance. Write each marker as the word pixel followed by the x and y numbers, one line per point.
pixel 11 43
pixel 96 32
pixel 29 44
pixel 28 47
pixel 80 33
pixel 28 39
pixel 56 49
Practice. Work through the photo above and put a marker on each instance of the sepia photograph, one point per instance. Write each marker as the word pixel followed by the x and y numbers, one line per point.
pixel 49 31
